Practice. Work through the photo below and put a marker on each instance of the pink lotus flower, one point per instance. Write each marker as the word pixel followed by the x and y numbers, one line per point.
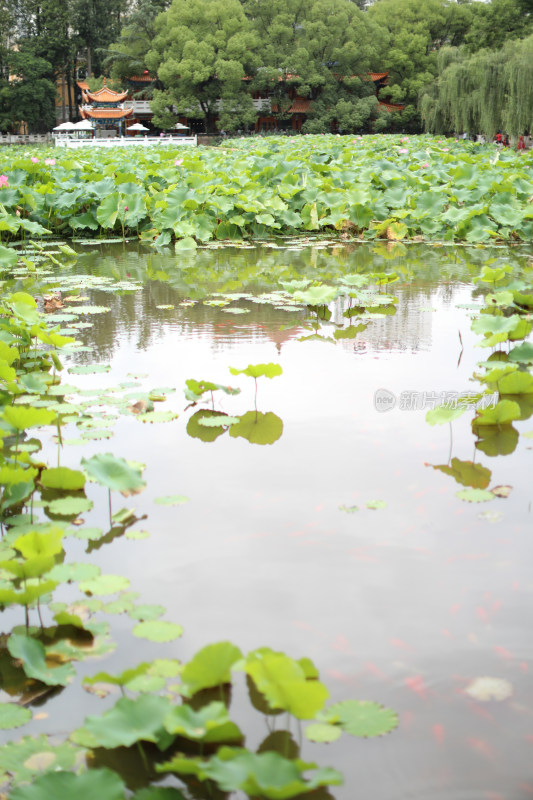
pixel 50 162
pixel 424 166
pixel 445 149
pixel 34 160
pixel 178 162
pixel 4 180
pixel 403 150
pixel 405 139
pixel 126 208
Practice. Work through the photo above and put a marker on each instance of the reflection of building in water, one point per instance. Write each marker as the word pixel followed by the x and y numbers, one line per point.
pixel 409 329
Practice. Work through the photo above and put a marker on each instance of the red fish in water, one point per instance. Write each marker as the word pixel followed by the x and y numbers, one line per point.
pixel 417 685
pixel 438 733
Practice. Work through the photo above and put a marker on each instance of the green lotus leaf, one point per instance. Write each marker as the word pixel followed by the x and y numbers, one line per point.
pixel 270 370
pixel 158 793
pixel 522 353
pixel 211 723
pixel 11 474
pixel 146 612
pixel 442 414
pixel 63 478
pixel 118 680
pixel 131 721
pixel 95 783
pixel 23 417
pixel 69 506
pixel 33 657
pixel 361 718
pixel 171 500
pixel 502 413
pixel 220 420
pixel 267 775
pixel 74 571
pixel 158 416
pixel 24 760
pixel 316 295
pixel 376 504
pixel 516 383
pixel 467 473
pixel 258 428
pixel 186 244
pixel 35 543
pixel 158 631
pixel 28 594
pixel 284 684
pixel 114 473
pixel 105 584
pixel 13 716
pixel 202 432
pixel 210 667
pixel 323 732
pixel 475 495
pixel 89 369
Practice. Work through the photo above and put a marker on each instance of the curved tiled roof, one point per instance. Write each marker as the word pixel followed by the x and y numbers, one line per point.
pixel 105 95
pixel 300 105
pixel 106 113
pixel 391 106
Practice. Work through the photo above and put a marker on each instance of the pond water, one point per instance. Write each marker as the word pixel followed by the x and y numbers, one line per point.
pixel 405 604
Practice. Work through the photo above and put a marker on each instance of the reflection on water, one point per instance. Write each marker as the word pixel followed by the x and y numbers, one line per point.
pixel 404 604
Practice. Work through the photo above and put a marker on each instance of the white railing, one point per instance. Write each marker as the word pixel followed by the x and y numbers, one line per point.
pixel 32 138
pixel 130 141
pixel 139 106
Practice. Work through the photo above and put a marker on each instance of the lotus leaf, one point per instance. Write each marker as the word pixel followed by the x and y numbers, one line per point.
pixel 210 723
pixel 101 783
pixel 130 721
pixel 33 657
pixel 13 716
pixel 361 718
pixel 285 685
pixel 442 414
pixel 209 667
pixel 158 630
pixel 114 472
pixel 258 428
pixel 266 775
pixel 104 584
pixel 502 413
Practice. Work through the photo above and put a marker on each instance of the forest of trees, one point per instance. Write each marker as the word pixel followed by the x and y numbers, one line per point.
pixel 453 65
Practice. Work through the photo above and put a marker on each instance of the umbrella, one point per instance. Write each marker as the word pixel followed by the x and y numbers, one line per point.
pixel 180 127
pixel 83 125
pixel 65 126
pixel 138 127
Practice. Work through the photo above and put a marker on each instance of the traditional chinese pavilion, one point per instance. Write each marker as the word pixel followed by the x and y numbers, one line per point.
pixel 105 108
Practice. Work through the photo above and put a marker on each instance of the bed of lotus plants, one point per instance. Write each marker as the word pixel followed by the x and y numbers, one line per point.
pixel 392 187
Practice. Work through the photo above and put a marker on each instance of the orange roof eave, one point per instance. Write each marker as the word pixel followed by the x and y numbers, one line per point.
pixel 106 113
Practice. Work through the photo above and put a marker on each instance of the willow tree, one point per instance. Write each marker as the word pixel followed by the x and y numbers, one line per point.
pixel 489 91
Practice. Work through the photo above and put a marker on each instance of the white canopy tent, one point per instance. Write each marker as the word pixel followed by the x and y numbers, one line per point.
pixel 65 126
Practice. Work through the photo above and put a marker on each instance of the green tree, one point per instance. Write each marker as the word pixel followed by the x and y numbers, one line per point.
pixel 30 95
pixel 320 51
pixel 482 92
pixel 496 22
pixel 127 56
pixel 416 32
pixel 202 52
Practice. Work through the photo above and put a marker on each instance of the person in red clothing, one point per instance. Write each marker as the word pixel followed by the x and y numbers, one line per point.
pixel 498 138
pixel 521 143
